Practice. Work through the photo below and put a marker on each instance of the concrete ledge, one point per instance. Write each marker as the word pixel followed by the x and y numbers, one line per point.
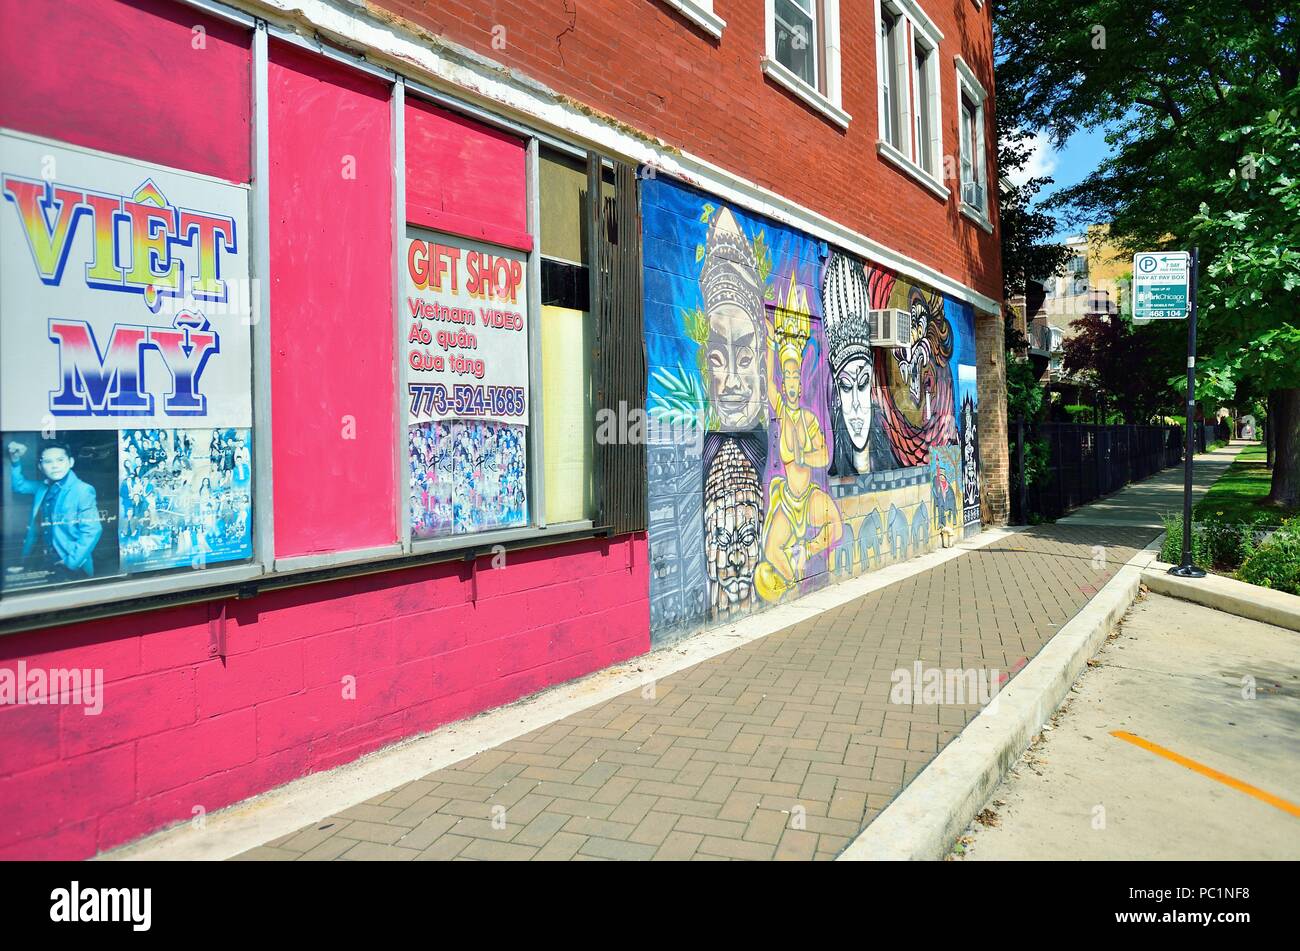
pixel 1227 594
pixel 932 811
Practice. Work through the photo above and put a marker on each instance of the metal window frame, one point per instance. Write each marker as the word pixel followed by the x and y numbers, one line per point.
pixel 401 448
pixel 42 609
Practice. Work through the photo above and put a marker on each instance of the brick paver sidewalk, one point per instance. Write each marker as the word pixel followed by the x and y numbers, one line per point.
pixel 783 748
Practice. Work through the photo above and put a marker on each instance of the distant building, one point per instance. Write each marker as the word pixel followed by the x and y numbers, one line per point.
pixel 1093 281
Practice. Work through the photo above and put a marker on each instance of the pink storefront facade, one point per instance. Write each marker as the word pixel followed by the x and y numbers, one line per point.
pixel 283 577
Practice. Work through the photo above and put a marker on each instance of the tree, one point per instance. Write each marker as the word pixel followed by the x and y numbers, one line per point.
pixel 1028 254
pixel 1186 90
pixel 1252 285
pixel 1117 359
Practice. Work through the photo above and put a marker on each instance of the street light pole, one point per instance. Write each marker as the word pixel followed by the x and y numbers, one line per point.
pixel 1187 569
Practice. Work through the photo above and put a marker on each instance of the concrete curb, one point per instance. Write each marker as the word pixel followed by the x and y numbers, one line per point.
pixel 937 806
pixel 1227 594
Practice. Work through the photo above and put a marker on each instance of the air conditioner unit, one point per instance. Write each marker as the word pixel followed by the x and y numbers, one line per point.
pixel 972 193
pixel 890 328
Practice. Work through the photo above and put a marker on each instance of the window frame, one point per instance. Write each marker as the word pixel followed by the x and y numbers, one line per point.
pixel 49 607
pixel 907 153
pixel 969 88
pixel 44 607
pixel 891 121
pixel 923 92
pixel 827 99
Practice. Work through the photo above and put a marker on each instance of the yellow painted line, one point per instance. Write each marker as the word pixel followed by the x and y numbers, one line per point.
pixel 1275 801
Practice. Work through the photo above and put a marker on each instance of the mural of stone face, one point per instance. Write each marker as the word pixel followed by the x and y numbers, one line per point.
pixel 734 305
pixel 733 514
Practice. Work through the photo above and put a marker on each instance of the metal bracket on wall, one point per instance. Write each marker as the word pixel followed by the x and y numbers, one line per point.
pixel 471 559
pixel 217 629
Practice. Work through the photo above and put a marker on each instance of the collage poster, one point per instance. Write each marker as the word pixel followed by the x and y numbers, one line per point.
pixel 185 497
pixel 467 476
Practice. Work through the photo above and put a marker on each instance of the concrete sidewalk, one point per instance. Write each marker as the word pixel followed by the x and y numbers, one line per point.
pixel 786 747
pixel 1208 705
pixel 1142 504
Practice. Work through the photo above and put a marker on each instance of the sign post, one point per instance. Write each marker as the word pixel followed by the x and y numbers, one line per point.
pixel 1164 288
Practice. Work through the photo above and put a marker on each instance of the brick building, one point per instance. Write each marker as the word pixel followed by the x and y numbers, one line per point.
pixel 370 364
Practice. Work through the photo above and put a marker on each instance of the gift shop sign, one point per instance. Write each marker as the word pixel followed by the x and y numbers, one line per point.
pixel 124 292
pixel 467 330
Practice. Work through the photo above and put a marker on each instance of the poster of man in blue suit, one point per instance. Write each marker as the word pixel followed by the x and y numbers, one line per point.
pixel 60 509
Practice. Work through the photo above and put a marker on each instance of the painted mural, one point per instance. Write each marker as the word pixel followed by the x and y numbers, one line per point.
pixel 790 452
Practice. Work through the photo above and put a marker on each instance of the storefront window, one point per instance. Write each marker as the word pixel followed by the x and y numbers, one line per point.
pixel 125 357
pixel 566 338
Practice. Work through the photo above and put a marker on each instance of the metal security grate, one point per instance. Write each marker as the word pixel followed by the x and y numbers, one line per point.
pixel 619 361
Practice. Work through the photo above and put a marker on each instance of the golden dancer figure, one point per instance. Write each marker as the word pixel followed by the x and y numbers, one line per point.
pixel 796 506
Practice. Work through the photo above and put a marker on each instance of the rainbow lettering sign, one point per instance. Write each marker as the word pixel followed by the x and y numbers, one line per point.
pixel 125 297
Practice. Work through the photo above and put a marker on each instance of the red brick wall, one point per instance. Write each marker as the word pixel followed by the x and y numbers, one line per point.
pixel 642 63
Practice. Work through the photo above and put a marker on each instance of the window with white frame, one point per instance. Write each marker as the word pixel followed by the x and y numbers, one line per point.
pixel 803 53
pixel 907 57
pixel 797 38
pixel 973 168
pixel 923 88
pixel 891 124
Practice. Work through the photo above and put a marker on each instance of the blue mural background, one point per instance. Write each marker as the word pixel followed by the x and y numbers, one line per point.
pixel 744 414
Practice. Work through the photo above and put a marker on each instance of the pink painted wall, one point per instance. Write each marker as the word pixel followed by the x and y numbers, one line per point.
pixel 333 405
pixel 180 103
pixel 179 730
pixel 465 178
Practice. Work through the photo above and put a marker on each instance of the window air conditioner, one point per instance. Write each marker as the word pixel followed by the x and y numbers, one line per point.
pixel 890 328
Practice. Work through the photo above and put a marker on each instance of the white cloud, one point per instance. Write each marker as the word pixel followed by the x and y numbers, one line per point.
pixel 1042 160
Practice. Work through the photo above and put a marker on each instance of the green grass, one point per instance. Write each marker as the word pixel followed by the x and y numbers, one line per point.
pixel 1236 496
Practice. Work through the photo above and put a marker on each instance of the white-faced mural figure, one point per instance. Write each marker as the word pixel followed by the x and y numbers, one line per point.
pixel 858 438
pixel 733 303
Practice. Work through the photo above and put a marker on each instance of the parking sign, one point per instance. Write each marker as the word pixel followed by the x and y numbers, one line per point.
pixel 1160 280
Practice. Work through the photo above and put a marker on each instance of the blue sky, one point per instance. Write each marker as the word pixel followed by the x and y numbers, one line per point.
pixel 1069 165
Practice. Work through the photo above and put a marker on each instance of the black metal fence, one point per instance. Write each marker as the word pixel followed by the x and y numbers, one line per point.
pixel 1072 464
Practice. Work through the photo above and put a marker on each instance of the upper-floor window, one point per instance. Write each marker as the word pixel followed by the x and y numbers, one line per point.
pixel 797 38
pixel 907 57
pixel 891 125
pixel 926 129
pixel 803 52
pixel 973 167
